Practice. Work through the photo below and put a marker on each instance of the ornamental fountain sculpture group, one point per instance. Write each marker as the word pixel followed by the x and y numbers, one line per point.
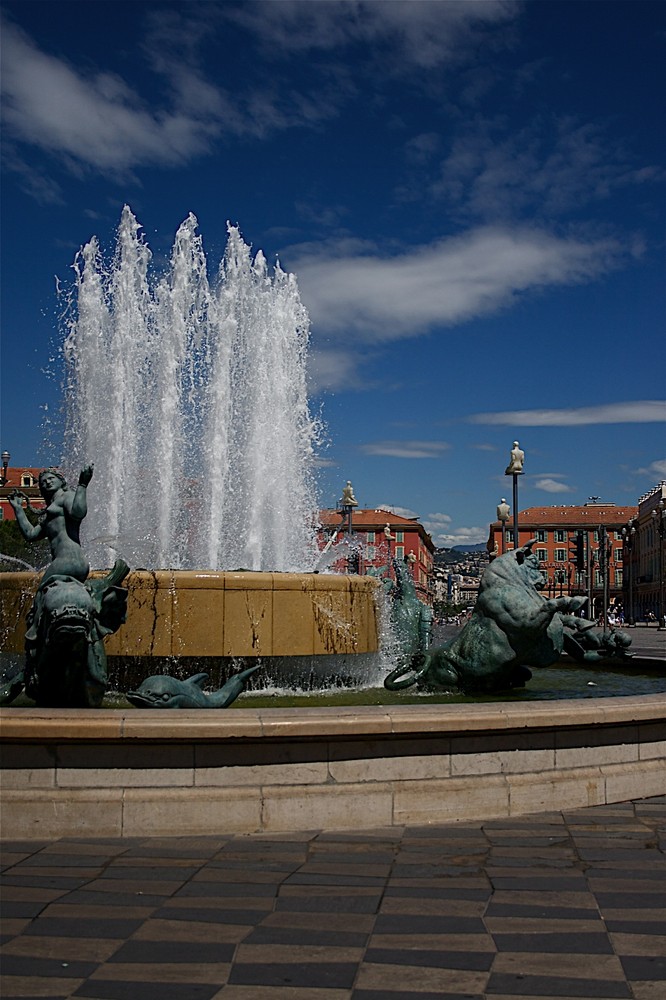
pixel 209 387
pixel 513 626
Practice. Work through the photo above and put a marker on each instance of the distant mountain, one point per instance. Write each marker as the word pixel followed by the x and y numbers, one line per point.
pixel 479 547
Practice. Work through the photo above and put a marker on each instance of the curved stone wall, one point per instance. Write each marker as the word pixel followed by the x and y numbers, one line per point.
pixel 102 773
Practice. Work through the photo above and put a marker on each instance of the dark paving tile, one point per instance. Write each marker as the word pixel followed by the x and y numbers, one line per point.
pixel 49 860
pixel 411 995
pixel 101 989
pixel 211 914
pixel 315 878
pixel 516 985
pixel 408 923
pixel 471 961
pixel 202 889
pixel 539 910
pixel 316 975
pixel 627 900
pixel 656 927
pixel 59 927
pixel 561 883
pixel 159 873
pixel 307 936
pixel 12 909
pixel 90 897
pixel 23 965
pixel 641 967
pixel 190 952
pixel 443 891
pixel 329 904
pixel 653 874
pixel 45 881
pixel 565 943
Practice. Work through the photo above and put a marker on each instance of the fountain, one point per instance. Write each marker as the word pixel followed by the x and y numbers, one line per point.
pixel 190 395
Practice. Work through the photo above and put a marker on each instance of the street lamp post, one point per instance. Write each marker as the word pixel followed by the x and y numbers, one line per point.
pixel 347 503
pixel 515 469
pixel 659 518
pixel 6 458
pixel 628 535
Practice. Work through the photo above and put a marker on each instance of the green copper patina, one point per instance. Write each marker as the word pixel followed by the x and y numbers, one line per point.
pixel 512 627
pixel 65 661
pixel 163 691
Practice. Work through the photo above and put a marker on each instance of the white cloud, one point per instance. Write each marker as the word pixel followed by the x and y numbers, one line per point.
pixel 392 509
pixel 405 449
pixel 330 370
pixel 551 166
pixel 417 32
pixel 656 469
pixel 377 297
pixel 461 536
pixel 549 485
pixel 96 120
pixel 639 412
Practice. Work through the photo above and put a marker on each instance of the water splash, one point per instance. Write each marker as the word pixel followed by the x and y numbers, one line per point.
pixel 14 561
pixel 190 396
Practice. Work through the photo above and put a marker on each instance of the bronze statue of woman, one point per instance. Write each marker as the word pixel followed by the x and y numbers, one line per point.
pixel 59 522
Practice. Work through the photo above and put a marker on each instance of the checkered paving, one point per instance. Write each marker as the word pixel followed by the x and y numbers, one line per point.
pixel 566 905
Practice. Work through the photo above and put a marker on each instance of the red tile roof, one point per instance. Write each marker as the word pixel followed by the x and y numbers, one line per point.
pixel 592 514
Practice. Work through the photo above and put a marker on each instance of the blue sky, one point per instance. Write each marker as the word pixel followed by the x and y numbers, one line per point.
pixel 470 194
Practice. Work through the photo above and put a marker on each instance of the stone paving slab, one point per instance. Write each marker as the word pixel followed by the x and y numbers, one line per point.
pixel 566 905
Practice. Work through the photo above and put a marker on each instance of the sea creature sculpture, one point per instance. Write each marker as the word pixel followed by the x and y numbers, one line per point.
pixel 585 644
pixel 410 617
pixel 162 691
pixel 512 627
pixel 65 661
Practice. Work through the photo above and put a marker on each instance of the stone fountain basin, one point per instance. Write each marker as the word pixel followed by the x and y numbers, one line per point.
pixel 188 613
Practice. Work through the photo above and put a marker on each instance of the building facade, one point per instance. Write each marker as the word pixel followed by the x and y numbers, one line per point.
pixel 601 575
pixel 645 558
pixel 378 536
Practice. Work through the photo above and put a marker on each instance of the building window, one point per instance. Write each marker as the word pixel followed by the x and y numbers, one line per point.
pixel 598 578
pixel 26 480
pixel 560 555
pixel 400 551
pixel 618 556
pixel 370 552
pixel 541 535
pixel 618 576
pixel 370 537
pixel 509 534
pixel 399 536
pixel 542 555
pixel 560 535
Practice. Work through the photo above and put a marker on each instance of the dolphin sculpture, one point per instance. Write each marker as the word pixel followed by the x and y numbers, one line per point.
pixel 162 691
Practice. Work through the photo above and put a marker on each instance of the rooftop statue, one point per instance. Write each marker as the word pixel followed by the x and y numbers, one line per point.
pixel 348 499
pixel 65 661
pixel 515 466
pixel 512 627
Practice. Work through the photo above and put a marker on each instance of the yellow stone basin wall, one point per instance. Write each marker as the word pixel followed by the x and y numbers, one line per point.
pixel 206 613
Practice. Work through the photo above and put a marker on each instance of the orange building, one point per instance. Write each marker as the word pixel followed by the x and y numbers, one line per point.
pixel 555 530
pixel 409 541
